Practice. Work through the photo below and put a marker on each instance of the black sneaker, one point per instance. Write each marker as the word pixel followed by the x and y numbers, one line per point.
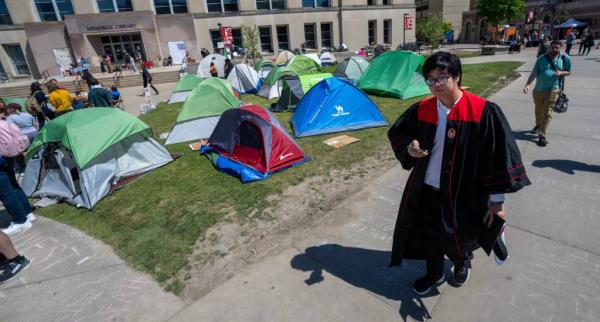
pixel 542 141
pixel 461 274
pixel 534 130
pixel 425 283
pixel 12 269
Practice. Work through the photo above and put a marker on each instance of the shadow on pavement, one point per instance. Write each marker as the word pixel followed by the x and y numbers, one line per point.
pixel 525 136
pixel 367 269
pixel 566 166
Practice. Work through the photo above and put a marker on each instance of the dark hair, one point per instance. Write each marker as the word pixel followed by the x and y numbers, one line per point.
pixel 556 42
pixel 114 88
pixel 443 61
pixel 35 87
pixel 93 82
pixel 15 106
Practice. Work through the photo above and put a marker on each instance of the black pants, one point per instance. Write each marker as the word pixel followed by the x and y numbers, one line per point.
pixel 147 82
pixel 581 45
pixel 588 48
pixel 568 50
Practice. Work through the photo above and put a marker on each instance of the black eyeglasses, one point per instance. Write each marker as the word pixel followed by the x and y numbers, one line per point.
pixel 440 81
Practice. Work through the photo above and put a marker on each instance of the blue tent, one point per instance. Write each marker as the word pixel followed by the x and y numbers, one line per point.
pixel 335 105
pixel 571 23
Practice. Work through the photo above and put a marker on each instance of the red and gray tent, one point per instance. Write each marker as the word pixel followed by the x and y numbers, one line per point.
pixel 250 143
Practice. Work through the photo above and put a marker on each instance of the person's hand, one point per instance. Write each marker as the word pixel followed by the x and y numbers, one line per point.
pixel 526 89
pixel 414 150
pixel 494 209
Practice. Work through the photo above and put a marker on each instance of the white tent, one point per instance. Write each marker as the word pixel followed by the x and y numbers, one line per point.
pixel 284 57
pixel 327 59
pixel 204 66
pixel 314 56
pixel 243 78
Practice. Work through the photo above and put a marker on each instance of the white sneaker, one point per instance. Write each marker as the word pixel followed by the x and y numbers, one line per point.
pixel 31 217
pixel 15 228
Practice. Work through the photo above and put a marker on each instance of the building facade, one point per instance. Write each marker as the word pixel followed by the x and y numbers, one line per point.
pixel 450 10
pixel 37 35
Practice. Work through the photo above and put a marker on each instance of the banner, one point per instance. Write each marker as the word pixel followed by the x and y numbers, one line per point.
pixel 226 35
pixel 408 22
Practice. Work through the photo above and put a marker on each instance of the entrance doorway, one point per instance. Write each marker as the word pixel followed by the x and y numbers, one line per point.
pixel 118 45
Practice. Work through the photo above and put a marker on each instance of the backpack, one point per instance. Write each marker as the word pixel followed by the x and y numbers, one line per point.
pixel 12 141
pixel 562 103
pixel 33 107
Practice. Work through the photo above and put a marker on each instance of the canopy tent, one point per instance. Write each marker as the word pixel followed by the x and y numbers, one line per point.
pixel 204 66
pixel 250 143
pixel 352 68
pixel 328 59
pixel 81 155
pixel 271 87
pixel 313 56
pixel 263 68
pixel 284 57
pixel 243 78
pixel 571 23
pixel 395 74
pixel 202 110
pixel 303 65
pixel 335 105
pixel 184 86
pixel 294 88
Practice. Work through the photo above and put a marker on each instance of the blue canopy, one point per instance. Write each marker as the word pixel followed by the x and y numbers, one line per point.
pixel 571 23
pixel 335 105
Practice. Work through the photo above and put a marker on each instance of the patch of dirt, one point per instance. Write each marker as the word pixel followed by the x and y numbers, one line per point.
pixel 231 245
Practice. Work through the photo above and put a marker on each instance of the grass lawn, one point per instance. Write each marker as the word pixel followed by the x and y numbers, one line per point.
pixel 154 222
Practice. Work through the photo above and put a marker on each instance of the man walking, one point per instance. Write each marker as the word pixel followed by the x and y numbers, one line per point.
pixel 570 42
pixel 549 70
pixel 463 159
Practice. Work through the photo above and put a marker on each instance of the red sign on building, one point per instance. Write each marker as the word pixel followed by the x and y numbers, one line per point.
pixel 226 35
pixel 408 23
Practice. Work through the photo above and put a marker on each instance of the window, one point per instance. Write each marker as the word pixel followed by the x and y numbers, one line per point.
pixel 215 37
pixel 371 2
pixel 309 35
pixel 372 31
pixel 270 4
pixel 4 14
pixel 163 7
pixel 236 33
pixel 387 2
pixel 266 43
pixel 222 6
pixel 387 31
pixel 315 3
pixel 15 53
pixel 283 40
pixel 114 5
pixel 326 35
pixel 53 10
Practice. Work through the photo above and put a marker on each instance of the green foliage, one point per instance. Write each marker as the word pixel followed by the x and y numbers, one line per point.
pixel 251 41
pixel 430 30
pixel 498 12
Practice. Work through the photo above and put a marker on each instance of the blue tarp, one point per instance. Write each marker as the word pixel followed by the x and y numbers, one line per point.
pixel 335 105
pixel 571 23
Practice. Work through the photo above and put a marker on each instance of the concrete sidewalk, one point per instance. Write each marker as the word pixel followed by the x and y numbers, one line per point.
pixel 340 273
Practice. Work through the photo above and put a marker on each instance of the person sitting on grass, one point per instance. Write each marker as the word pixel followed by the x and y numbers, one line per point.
pixel 99 96
pixel 116 95
pixel 79 101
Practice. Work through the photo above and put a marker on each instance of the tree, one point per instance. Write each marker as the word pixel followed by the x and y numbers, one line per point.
pixel 430 30
pixel 500 12
pixel 251 41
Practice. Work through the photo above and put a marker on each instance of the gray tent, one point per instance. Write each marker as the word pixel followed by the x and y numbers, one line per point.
pixel 243 78
pixel 352 68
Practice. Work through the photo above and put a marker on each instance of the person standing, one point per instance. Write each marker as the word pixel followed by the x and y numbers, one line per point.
pixel 585 33
pixel 549 70
pixel 543 47
pixel 11 263
pixel 147 77
pixel 588 44
pixel 446 205
pixel 13 198
pixel 108 62
pixel 570 42
pixel 60 98
pixel 132 64
pixel 228 67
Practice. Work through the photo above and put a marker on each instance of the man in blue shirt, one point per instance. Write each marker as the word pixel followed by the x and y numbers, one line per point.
pixel 570 42
pixel 549 69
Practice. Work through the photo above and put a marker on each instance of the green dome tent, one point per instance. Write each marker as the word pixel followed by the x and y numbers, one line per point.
pixel 271 87
pixel 184 86
pixel 202 110
pixel 263 68
pixel 303 65
pixel 395 74
pixel 81 155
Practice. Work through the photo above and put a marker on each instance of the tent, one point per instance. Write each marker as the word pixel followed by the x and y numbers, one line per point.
pixel 250 143
pixel 571 23
pixel 271 87
pixel 284 57
pixel 243 78
pixel 204 66
pixel 294 88
pixel 327 59
pixel 352 68
pixel 83 155
pixel 263 68
pixel 202 110
pixel 184 86
pixel 335 105
pixel 22 101
pixel 313 56
pixel 303 65
pixel 395 74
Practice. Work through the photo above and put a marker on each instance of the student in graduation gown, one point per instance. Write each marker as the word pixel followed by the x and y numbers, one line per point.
pixel 463 158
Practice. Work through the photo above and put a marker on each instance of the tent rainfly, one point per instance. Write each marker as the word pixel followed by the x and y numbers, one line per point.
pixel 335 105
pixel 313 56
pixel 294 88
pixel 184 86
pixel 202 110
pixel 272 85
pixel 395 74
pixel 571 23
pixel 204 66
pixel 303 65
pixel 243 78
pixel 284 57
pixel 327 59
pixel 352 68
pixel 81 156
pixel 263 68
pixel 250 143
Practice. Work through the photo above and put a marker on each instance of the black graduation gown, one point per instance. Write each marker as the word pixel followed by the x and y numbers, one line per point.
pixel 480 158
